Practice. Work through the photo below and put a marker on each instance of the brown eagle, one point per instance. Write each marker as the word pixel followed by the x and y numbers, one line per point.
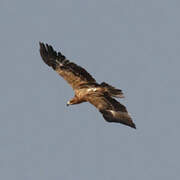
pixel 86 88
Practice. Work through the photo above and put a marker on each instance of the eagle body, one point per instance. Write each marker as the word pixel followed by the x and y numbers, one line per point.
pixel 85 92
pixel 86 89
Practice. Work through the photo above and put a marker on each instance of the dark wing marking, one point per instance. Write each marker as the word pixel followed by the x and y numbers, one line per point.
pixel 72 73
pixel 111 109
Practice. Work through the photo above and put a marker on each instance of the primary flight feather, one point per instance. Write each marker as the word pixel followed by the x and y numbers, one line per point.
pixel 86 88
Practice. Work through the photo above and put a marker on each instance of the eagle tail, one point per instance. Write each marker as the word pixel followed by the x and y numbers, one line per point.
pixel 112 91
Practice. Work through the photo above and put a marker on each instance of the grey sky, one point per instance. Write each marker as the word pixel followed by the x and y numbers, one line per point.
pixel 133 45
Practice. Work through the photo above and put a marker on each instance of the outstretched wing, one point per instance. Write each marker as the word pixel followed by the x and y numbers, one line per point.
pixel 72 73
pixel 111 109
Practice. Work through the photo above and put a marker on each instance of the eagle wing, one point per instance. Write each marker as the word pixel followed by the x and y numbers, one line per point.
pixel 72 73
pixel 111 109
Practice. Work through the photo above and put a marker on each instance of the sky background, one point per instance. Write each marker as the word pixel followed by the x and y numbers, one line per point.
pixel 132 45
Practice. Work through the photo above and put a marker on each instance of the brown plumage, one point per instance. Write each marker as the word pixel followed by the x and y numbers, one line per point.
pixel 86 88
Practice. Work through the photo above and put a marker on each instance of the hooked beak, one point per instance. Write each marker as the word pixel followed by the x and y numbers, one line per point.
pixel 68 103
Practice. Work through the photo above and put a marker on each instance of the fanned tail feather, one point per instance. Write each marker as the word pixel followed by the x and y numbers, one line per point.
pixel 112 91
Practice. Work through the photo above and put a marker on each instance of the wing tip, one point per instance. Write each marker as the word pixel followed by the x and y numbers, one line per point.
pixel 133 125
pixel 48 54
pixel 41 44
pixel 120 117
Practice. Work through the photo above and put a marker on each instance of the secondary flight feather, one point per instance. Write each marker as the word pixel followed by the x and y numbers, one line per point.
pixel 86 88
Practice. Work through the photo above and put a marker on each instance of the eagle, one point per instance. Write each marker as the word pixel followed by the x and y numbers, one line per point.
pixel 86 88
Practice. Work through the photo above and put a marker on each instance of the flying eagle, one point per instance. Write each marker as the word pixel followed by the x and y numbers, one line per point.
pixel 86 88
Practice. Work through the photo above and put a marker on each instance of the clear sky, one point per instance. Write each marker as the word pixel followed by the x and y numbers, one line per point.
pixel 132 45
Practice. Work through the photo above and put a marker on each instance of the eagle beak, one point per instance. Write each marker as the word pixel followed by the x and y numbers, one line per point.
pixel 68 103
